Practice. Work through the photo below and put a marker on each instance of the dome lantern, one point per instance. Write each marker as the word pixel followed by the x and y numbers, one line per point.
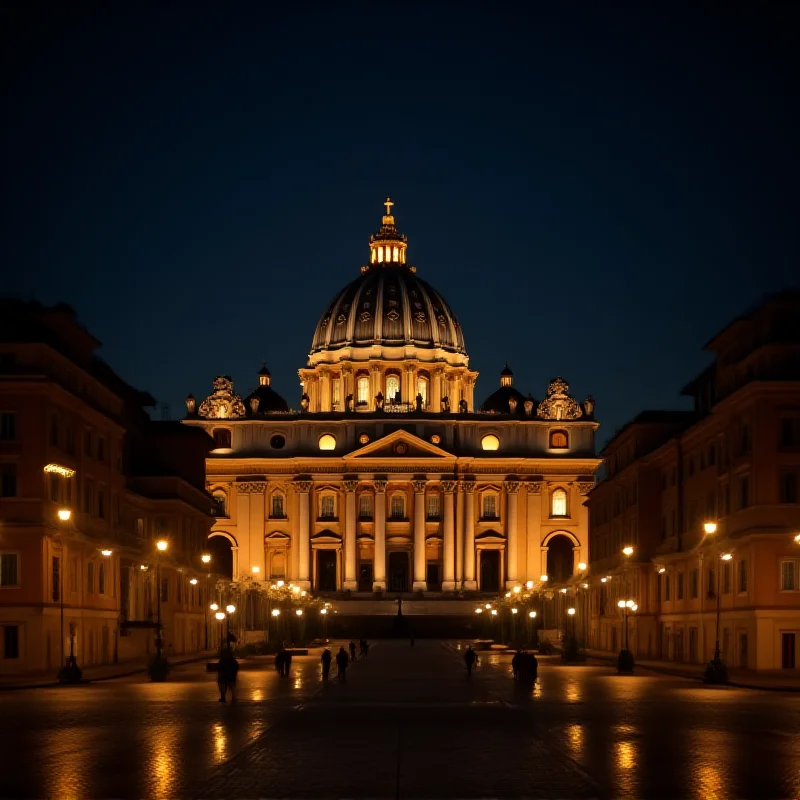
pixel 506 376
pixel 264 377
pixel 388 245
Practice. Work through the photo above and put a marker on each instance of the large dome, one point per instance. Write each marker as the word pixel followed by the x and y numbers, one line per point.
pixel 389 306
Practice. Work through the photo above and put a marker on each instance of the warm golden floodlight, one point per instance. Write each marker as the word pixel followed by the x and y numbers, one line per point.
pixel 205 558
pixel 710 527
pixel 628 551
pixel 162 545
pixel 64 514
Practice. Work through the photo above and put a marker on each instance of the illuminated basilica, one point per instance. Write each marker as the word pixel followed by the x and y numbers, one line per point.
pixel 388 478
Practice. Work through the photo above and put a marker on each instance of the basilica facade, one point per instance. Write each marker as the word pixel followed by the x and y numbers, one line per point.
pixel 388 477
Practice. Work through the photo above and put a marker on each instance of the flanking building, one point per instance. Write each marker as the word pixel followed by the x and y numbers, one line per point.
pixel 88 483
pixel 733 462
pixel 389 479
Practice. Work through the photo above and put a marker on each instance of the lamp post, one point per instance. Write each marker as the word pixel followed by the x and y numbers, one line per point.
pixel 229 609
pixel 206 559
pixel 625 657
pixel 571 612
pixel 161 547
pixel 532 624
pixel 716 672
pixel 64 515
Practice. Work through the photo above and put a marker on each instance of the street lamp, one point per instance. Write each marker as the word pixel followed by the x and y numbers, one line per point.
pixel 206 559
pixel 571 612
pixel 161 547
pixel 64 515
pixel 106 553
pixel 582 566
pixel 724 557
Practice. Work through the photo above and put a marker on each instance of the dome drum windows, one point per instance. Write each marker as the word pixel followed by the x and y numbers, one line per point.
pixel 362 391
pixel 392 389
pixel 558 503
pixel 559 440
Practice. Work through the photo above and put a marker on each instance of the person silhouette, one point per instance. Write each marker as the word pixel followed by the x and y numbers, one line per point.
pixel 326 663
pixel 470 658
pixel 342 660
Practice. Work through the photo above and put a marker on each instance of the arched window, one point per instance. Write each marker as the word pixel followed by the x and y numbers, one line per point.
pixel 222 438
pixel 397 509
pixel 365 506
pixel 559 439
pixel 558 503
pixel 220 503
pixel 422 388
pixel 489 508
pixel 327 507
pixel 363 390
pixel 392 388
pixel 278 511
pixel 380 254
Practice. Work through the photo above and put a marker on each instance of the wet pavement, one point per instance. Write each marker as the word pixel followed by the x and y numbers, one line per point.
pixel 408 723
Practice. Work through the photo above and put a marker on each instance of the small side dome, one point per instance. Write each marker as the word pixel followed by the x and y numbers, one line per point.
pixel 264 399
pixel 507 399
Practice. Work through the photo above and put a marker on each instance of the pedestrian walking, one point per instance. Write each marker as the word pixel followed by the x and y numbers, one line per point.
pixel 363 648
pixel 352 650
pixel 470 658
pixel 226 676
pixel 342 660
pixel 326 663
pixel 287 663
pixel 280 657
pixel 516 663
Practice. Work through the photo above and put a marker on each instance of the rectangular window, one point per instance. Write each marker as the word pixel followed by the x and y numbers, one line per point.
pixel 398 507
pixel 8 426
pixel 790 432
pixel 54 485
pixel 165 590
pixel 490 506
pixel 711 585
pixel 327 507
pixel 101 578
pixel 695 583
pixel 101 449
pixel 365 506
pixel 433 507
pixel 667 587
pixel 679 592
pixel 789 487
pixel 788 576
pixel 726 578
pixel 744 492
pixel 178 590
pixel 8 480
pixel 9 569
pixel 90 578
pixel 54 431
pixel 87 444
pixel 277 505
pixel 11 641
pixel 742 576
pixel 56 578
pixel 88 496
pixel 70 439
pixel 101 504
pixel 74 569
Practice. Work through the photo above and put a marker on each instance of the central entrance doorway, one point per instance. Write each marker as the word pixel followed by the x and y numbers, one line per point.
pixel 398 572
pixel 326 570
pixel 490 571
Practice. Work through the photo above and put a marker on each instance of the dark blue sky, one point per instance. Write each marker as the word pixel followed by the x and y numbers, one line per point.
pixel 595 191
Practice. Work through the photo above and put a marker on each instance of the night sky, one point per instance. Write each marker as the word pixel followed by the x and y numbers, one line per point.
pixel 594 191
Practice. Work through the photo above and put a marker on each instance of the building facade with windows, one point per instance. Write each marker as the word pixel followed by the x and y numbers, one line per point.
pixel 733 461
pixel 388 478
pixel 74 438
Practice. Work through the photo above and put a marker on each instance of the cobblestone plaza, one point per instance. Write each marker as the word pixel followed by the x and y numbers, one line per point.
pixel 407 723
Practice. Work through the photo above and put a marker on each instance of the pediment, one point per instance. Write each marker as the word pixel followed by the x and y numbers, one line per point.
pixel 327 534
pixel 490 536
pixel 277 536
pixel 400 444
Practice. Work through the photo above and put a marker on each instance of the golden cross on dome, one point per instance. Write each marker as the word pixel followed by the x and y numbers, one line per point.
pixel 388 203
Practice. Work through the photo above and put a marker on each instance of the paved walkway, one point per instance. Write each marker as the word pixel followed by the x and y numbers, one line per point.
pixel 774 679
pixel 407 723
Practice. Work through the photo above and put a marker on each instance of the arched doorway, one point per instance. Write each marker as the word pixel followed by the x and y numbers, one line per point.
pixel 560 558
pixel 490 571
pixel 220 547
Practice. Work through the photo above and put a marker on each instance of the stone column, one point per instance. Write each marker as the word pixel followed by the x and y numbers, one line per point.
pixel 534 503
pixel 420 578
pixel 375 386
pixel 448 582
pixel 512 489
pixel 470 584
pixel 350 581
pixel 325 390
pixel 460 537
pixel 304 533
pixel 436 390
pixel 583 524
pixel 379 557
